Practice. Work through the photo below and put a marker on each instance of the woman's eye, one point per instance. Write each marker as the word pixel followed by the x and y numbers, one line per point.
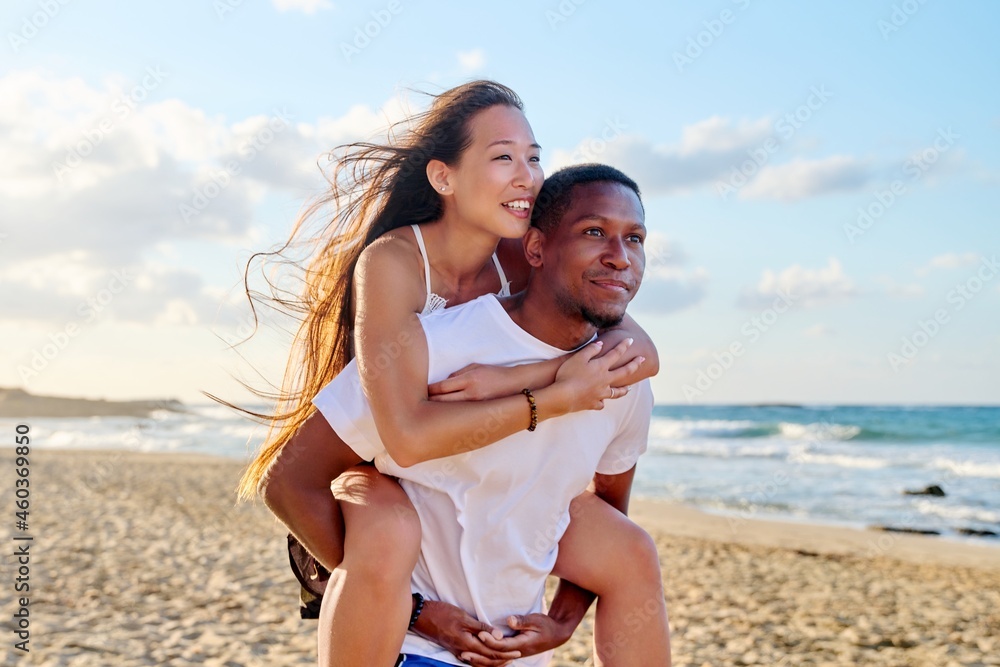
pixel 502 157
pixel 536 158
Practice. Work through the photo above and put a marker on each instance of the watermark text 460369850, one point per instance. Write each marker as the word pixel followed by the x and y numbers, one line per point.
pixel 22 539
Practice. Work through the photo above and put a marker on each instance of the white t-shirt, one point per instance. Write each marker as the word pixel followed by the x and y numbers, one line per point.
pixel 492 518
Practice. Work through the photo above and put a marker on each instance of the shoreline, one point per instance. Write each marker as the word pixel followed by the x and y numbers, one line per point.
pixel 680 519
pixel 721 526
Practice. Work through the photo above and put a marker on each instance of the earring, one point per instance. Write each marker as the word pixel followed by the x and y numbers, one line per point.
pixel 442 188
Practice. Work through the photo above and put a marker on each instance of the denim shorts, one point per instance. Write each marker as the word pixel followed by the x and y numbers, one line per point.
pixel 420 661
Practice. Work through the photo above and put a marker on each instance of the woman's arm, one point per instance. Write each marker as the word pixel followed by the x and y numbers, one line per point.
pixel 393 360
pixel 477 382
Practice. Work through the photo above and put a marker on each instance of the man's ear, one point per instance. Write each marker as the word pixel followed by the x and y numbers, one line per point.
pixel 438 174
pixel 533 241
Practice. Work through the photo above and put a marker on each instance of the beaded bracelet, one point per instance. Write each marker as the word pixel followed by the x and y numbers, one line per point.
pixel 418 606
pixel 534 409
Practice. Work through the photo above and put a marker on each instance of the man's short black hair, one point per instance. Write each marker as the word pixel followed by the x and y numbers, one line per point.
pixel 553 200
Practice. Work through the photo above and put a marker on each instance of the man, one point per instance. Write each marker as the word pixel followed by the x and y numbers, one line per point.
pixel 492 518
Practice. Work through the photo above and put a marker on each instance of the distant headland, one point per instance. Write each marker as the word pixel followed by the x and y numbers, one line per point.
pixel 19 403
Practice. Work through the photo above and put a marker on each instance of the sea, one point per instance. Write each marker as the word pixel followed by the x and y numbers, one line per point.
pixel 838 465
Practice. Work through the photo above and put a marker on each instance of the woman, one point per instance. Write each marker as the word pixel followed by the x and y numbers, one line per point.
pixel 465 176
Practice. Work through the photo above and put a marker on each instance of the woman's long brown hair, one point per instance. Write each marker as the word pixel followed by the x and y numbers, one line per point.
pixel 374 188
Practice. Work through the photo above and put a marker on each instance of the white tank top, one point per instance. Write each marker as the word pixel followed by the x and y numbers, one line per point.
pixel 436 302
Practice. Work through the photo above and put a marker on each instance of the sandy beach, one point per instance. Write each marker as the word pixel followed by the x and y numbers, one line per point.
pixel 143 559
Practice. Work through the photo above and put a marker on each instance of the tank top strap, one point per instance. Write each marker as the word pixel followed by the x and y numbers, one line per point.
pixel 504 283
pixel 423 255
pixel 433 301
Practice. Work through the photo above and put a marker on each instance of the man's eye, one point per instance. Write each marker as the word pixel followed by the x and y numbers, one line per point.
pixel 635 238
pixel 593 232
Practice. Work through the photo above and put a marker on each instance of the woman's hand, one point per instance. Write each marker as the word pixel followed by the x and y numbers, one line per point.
pixel 586 380
pixel 476 382
pixel 450 627
pixel 535 633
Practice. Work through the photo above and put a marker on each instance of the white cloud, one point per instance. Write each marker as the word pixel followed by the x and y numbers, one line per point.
pixel 901 291
pixel 720 152
pixel 908 291
pixel 472 61
pixel 92 178
pixel 666 286
pixel 805 287
pixel 717 134
pixel 950 260
pixel 801 179
pixel 707 151
pixel 662 251
pixel 667 289
pixel 818 331
pixel 71 286
pixel 305 6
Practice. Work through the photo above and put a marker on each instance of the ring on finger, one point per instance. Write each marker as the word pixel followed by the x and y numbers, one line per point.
pixel 612 392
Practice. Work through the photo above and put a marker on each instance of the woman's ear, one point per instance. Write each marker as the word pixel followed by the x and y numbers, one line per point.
pixel 533 241
pixel 438 174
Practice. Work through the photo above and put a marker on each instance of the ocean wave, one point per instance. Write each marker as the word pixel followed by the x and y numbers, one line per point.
pixel 968 468
pixel 841 460
pixel 818 431
pixel 671 429
pixel 957 512
pixel 717 449
pixel 679 429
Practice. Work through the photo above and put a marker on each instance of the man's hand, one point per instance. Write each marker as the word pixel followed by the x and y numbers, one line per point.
pixel 450 627
pixel 536 633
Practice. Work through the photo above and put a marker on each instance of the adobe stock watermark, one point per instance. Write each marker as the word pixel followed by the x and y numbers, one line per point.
pixel 121 108
pixel 220 179
pixel 704 39
pixel 900 16
pixel 224 8
pixel 784 129
pixel 364 35
pixel 562 13
pixel 914 169
pixel 88 310
pixel 32 25
pixel 751 330
pixel 928 329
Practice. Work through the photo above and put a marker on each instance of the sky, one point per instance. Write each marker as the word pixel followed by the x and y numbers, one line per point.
pixel 820 179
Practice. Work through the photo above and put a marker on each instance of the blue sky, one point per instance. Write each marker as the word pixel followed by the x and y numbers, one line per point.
pixel 759 133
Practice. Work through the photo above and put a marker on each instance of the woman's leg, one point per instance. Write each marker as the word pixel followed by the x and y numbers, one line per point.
pixel 367 603
pixel 604 552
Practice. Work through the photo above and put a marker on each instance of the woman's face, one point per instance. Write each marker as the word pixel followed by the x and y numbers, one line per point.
pixel 496 180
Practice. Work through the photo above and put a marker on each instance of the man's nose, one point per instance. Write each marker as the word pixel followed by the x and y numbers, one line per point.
pixel 616 254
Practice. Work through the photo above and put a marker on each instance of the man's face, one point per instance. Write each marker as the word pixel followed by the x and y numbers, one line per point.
pixel 593 259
